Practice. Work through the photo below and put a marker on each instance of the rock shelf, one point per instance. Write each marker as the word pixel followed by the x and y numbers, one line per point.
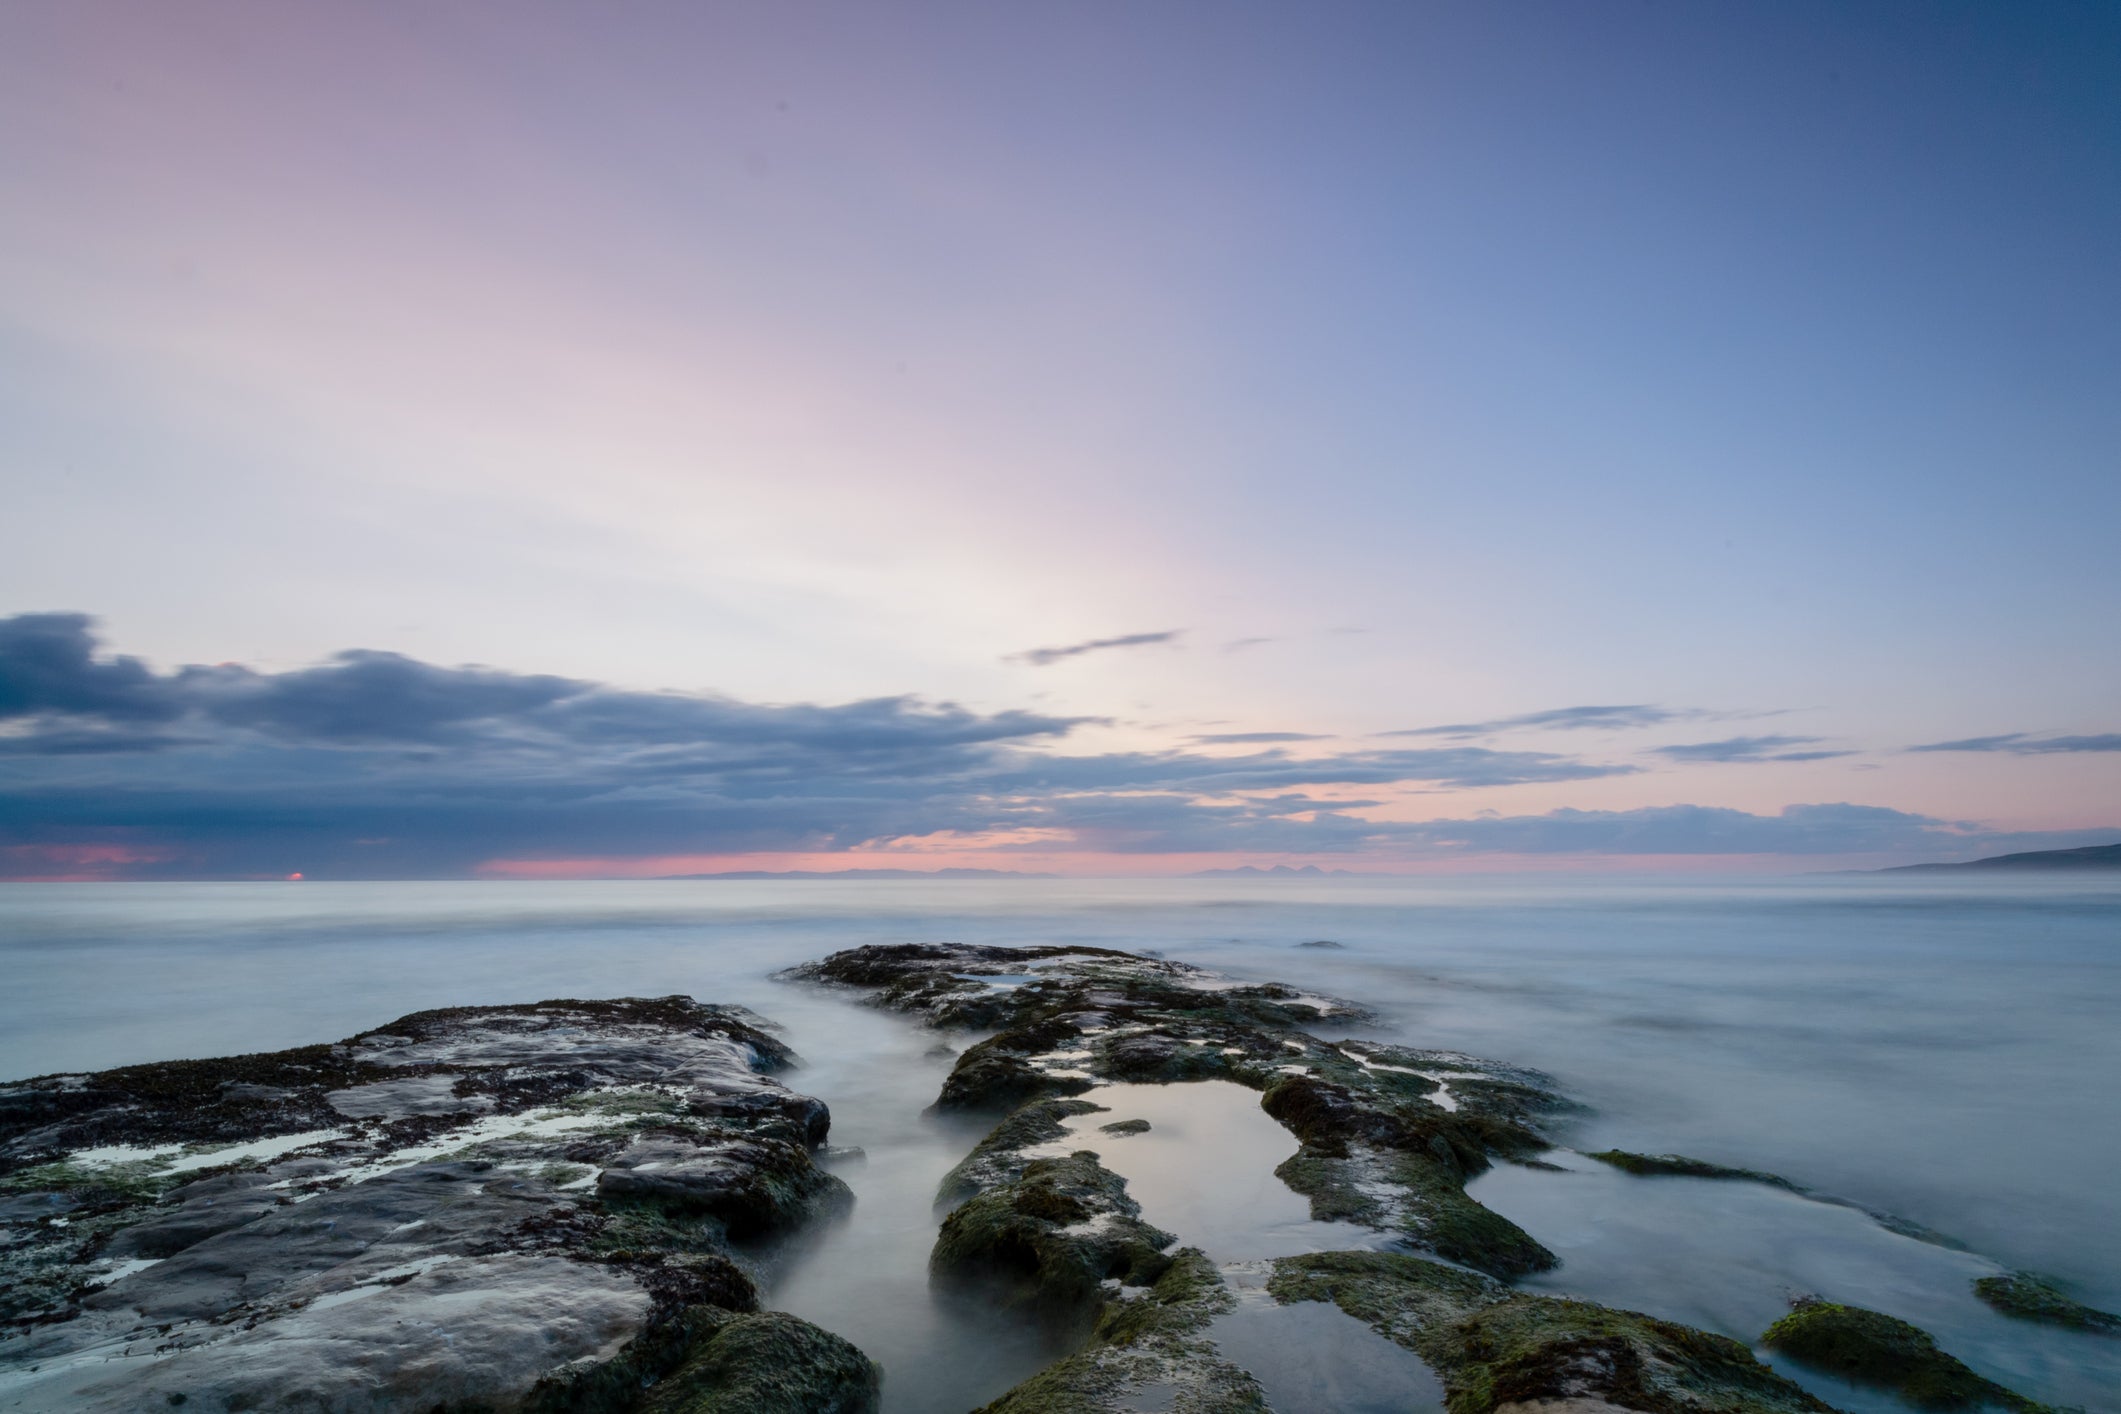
pixel 557 1207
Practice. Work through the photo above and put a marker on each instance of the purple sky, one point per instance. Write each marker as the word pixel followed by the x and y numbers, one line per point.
pixel 1700 407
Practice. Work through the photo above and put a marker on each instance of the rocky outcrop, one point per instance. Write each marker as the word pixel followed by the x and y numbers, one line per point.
pixel 1873 1348
pixel 1389 1135
pixel 551 1207
pixel 1045 1243
pixel 1500 1350
pixel 2032 1297
pixel 1150 1349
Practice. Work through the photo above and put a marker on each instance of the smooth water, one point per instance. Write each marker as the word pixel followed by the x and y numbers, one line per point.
pixel 1946 1051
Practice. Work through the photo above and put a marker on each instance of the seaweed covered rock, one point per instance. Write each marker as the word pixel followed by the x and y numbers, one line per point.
pixel 2032 1297
pixel 1498 1349
pixel 1152 1343
pixel 436 1213
pixel 1389 1134
pixel 704 1358
pixel 1679 1166
pixel 1046 1243
pixel 1873 1348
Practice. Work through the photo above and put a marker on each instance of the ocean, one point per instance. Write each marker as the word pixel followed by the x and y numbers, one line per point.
pixel 1942 1050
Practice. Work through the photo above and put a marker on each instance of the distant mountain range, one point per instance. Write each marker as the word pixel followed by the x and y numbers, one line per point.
pixel 1279 871
pixel 2098 856
pixel 866 874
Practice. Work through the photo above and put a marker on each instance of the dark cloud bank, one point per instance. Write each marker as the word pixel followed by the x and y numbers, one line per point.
pixel 377 765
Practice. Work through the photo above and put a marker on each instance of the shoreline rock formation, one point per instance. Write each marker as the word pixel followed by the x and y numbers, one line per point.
pixel 556 1207
pixel 1387 1136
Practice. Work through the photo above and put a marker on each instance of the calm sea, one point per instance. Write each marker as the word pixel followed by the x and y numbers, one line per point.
pixel 1945 1051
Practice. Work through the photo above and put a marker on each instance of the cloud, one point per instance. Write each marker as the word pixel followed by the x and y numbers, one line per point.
pixel 47 665
pixel 1701 829
pixel 1046 657
pixel 1258 738
pixel 1238 645
pixel 1632 715
pixel 376 765
pixel 1749 748
pixel 2025 744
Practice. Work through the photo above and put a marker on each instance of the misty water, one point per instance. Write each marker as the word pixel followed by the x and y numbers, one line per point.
pixel 1944 1051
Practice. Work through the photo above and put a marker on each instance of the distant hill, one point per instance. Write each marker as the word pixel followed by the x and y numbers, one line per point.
pixel 1279 871
pixel 2098 856
pixel 866 874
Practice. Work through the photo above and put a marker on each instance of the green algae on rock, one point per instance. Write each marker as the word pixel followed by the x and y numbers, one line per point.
pixel 1152 1343
pixel 1046 1242
pixel 704 1358
pixel 1873 1348
pixel 1679 1166
pixel 2032 1297
pixel 1386 1139
pixel 562 1187
pixel 1497 1348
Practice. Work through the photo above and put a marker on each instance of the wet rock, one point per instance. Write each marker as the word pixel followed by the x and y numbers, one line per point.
pixel 1378 1146
pixel 751 1186
pixel 1322 943
pixel 450 1212
pixel 706 1360
pixel 397 1098
pixel 1149 1350
pixel 1680 1166
pixel 1125 1127
pixel 1500 1350
pixel 1870 1347
pixel 1045 1243
pixel 2032 1297
pixel 998 1158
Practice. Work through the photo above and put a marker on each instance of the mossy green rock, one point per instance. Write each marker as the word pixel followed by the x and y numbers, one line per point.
pixel 1680 1166
pixel 2032 1297
pixel 1495 1347
pixel 1154 1340
pixel 768 1362
pixel 1377 1147
pixel 1873 1348
pixel 1045 1243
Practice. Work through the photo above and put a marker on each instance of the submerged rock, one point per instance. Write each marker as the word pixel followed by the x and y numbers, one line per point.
pixel 1499 1349
pixel 1873 1348
pixel 470 1208
pixel 2032 1297
pixel 1680 1166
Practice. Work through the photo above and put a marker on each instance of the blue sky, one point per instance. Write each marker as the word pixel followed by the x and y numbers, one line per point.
pixel 1345 371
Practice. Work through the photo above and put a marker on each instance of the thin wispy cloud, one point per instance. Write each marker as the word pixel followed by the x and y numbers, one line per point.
pixel 1610 718
pixel 1750 749
pixel 1046 657
pixel 2026 744
pixel 1254 738
pixel 1239 645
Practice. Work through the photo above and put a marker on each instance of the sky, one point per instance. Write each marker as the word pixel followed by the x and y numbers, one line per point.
pixel 550 440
